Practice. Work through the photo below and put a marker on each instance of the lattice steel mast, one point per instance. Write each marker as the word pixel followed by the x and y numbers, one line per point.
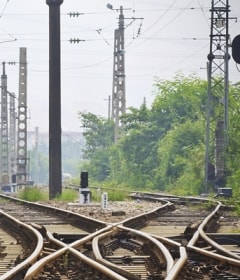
pixel 217 105
pixel 12 136
pixel 22 159
pixel 118 88
pixel 4 129
pixel 8 131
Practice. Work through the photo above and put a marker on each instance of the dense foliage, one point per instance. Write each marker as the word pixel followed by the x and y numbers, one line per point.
pixel 99 136
pixel 163 147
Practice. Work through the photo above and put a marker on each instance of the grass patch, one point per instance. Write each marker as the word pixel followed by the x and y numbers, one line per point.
pixel 68 196
pixel 117 195
pixel 33 194
pixel 113 195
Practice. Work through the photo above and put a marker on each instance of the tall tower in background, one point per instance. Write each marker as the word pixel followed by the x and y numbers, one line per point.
pixel 8 131
pixel 217 103
pixel 4 129
pixel 12 136
pixel 22 121
pixel 118 88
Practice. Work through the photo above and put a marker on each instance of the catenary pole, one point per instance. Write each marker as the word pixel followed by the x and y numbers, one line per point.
pixel 55 158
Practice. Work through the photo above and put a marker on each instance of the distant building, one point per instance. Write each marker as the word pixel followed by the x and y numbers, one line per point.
pixel 35 138
pixel 38 149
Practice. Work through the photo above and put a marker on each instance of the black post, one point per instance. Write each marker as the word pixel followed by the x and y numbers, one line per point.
pixel 55 155
pixel 84 191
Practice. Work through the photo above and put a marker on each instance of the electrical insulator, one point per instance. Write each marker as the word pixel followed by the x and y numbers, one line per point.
pixel 76 41
pixel 75 14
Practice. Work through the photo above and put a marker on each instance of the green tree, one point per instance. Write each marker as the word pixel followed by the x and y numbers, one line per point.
pixel 179 100
pixel 99 137
pixel 134 157
pixel 233 148
pixel 179 110
pixel 149 154
pixel 163 146
pixel 181 155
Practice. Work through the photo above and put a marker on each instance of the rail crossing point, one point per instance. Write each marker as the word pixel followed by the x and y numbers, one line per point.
pixel 104 200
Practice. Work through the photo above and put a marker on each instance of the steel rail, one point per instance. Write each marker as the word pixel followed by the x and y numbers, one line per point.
pixel 200 232
pixel 37 267
pixel 40 264
pixel 105 263
pixel 166 197
pixel 33 257
pixel 87 222
pixel 196 235
pixel 172 270
pixel 182 260
pixel 139 219
pixel 178 266
pixel 89 237
pixel 157 243
pixel 232 258
pixel 164 251
pixel 105 270
pixel 212 242
pixel 221 258
pixel 79 242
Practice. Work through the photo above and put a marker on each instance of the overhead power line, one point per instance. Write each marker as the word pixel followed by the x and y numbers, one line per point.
pixel 4 8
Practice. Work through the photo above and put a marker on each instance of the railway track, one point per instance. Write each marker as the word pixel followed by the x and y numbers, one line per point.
pixel 51 218
pixel 209 252
pixel 179 220
pixel 132 254
pixel 46 220
pixel 20 246
pixel 169 242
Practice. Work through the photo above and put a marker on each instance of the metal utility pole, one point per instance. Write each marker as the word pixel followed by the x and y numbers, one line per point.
pixel 217 105
pixel 55 155
pixel 4 129
pixel 12 135
pixel 36 179
pixel 21 161
pixel 8 131
pixel 118 87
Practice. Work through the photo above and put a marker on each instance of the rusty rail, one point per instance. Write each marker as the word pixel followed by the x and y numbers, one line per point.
pixel 35 254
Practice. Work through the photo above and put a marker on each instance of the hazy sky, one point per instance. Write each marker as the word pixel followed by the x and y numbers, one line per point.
pixel 174 36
